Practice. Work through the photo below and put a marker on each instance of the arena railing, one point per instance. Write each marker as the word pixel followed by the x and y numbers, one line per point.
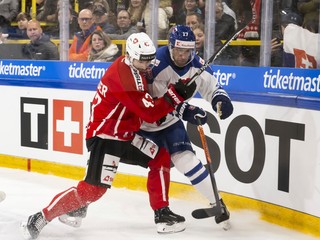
pixel 122 43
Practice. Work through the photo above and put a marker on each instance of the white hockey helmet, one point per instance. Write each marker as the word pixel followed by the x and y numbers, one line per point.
pixel 139 46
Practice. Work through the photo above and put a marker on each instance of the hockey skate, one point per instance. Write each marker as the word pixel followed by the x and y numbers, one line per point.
pixel 74 218
pixel 224 217
pixel 32 228
pixel 168 222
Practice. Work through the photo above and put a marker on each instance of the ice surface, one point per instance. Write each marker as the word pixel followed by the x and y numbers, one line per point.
pixel 120 214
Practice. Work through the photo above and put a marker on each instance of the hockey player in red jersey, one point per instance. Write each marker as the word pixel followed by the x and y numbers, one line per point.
pixel 119 106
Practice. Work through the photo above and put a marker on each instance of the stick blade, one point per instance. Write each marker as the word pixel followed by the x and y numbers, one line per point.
pixel 206 212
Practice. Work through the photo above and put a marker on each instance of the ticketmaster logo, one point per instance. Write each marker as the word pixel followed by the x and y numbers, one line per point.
pixel 224 77
pixel 77 70
pixel 291 82
pixel 21 70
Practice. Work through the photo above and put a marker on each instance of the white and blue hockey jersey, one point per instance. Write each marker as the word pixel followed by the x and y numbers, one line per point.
pixel 165 72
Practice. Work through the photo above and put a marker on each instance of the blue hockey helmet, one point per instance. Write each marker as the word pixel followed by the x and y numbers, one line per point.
pixel 182 36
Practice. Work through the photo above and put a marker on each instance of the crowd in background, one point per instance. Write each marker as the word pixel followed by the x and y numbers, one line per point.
pixel 118 19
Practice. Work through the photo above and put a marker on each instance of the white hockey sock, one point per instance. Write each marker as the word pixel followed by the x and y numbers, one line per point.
pixel 187 163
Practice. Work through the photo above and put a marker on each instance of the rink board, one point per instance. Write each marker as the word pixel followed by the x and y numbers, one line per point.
pixel 268 150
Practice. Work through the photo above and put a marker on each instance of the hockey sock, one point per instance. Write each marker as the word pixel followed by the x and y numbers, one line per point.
pixel 72 199
pixel 187 163
pixel 159 180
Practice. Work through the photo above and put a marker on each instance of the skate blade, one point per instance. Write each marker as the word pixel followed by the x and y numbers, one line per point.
pixel 24 231
pixel 71 221
pixel 163 228
pixel 226 225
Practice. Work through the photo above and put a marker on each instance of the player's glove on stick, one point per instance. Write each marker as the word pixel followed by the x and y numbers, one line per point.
pixel 225 108
pixel 179 92
pixel 190 113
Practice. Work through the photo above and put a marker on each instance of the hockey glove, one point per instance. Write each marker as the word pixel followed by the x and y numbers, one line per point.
pixel 161 120
pixel 179 92
pixel 222 99
pixel 190 113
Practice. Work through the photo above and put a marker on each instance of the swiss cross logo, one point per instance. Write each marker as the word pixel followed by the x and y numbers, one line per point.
pixel 304 60
pixel 67 126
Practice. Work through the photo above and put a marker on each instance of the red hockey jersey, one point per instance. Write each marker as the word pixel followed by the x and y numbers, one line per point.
pixel 122 102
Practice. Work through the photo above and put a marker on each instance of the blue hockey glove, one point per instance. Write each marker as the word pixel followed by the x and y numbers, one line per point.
pixel 221 104
pixel 190 113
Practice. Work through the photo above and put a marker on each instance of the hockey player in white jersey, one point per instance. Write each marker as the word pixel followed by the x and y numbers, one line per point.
pixel 179 61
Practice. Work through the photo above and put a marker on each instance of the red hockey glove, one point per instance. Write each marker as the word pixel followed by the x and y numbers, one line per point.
pixel 179 92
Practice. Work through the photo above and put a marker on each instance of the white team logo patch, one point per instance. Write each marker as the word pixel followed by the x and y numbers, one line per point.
pixel 185 44
pixel 155 62
pixel 144 145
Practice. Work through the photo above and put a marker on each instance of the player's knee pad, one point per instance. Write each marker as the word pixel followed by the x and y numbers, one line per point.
pixel 89 193
pixel 188 164
pixel 161 161
pixel 109 169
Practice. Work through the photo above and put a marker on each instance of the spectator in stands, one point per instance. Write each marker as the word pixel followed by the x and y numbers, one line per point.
pixel 100 6
pixel 188 7
pixel 177 5
pixel 193 20
pixel 289 4
pixel 39 8
pixel 8 12
pixel 136 10
pixel 73 24
pixel 284 17
pixel 202 6
pixel 124 26
pixel 122 5
pixel 19 32
pixel 225 24
pixel 102 49
pixel 227 10
pixel 83 4
pixel 310 10
pixel 49 11
pixel 40 46
pixel 100 17
pixel 112 4
pixel 225 27
pixel 165 12
pixel 79 49
pixel 301 48
pixel 199 34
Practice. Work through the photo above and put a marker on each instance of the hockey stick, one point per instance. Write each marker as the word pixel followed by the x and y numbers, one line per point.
pixel 215 210
pixel 247 17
